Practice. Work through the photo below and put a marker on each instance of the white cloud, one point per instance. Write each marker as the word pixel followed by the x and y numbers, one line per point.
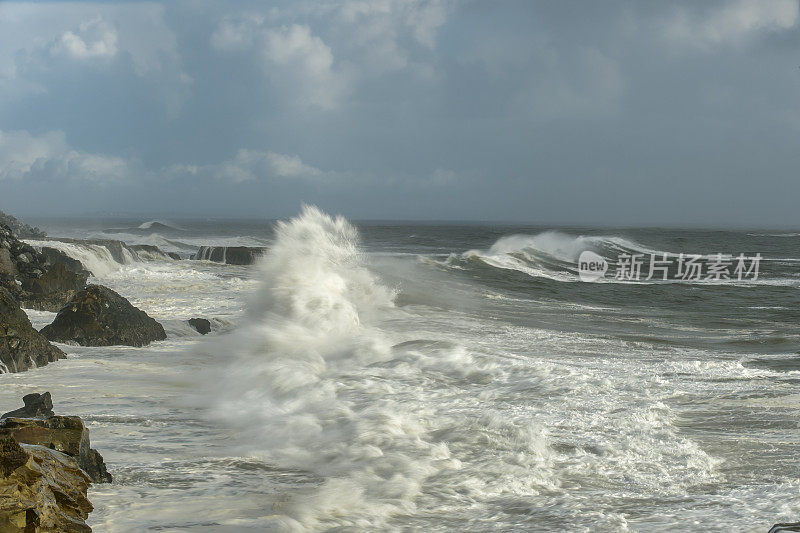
pixel 309 61
pixel 95 38
pixel 40 41
pixel 733 22
pixel 47 157
pixel 294 59
pixel 236 35
pixel 252 165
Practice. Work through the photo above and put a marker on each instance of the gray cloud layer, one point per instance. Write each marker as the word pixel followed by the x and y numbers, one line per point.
pixel 560 112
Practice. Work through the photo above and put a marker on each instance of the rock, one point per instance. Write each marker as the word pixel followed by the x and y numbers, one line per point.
pixel 202 325
pixel 785 528
pixel 7 265
pixel 148 251
pixel 98 316
pixel 20 229
pixel 54 255
pixel 231 255
pixel 26 274
pixel 42 490
pixel 66 434
pixel 120 252
pixel 36 406
pixel 53 289
pixel 21 346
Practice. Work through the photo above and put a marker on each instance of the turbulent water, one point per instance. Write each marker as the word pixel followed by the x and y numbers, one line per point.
pixel 437 377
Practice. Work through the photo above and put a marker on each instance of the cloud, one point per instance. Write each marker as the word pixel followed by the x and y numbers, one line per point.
pixel 732 22
pixel 294 59
pixel 252 165
pixel 306 58
pixel 48 157
pixel 52 47
pixel 95 38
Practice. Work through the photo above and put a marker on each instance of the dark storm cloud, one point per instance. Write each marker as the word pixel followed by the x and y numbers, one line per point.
pixel 569 112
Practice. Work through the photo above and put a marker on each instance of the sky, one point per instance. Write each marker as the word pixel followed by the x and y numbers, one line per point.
pixel 564 113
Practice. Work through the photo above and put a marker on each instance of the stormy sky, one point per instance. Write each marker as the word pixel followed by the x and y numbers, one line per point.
pixel 568 113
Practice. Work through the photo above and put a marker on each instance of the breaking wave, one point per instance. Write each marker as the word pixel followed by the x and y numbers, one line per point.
pixel 551 254
pixel 300 387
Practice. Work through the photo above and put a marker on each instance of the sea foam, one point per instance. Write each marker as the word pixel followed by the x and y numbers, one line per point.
pixel 289 388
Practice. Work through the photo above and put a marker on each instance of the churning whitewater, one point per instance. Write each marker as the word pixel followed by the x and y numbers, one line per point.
pixel 433 377
pixel 308 384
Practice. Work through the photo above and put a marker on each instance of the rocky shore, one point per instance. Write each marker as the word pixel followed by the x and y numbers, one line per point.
pixel 46 467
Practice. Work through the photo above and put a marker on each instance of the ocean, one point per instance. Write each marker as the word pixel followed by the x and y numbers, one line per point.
pixel 379 376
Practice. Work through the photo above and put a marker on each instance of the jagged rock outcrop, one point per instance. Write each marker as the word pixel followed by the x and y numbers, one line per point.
pixel 54 255
pixel 42 490
pixel 53 289
pixel 98 316
pixel 202 325
pixel 32 278
pixel 231 255
pixel 20 229
pixel 66 434
pixel 36 406
pixel 21 346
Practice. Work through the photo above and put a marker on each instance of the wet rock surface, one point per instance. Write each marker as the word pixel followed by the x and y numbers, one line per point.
pixel 36 406
pixel 231 255
pixel 42 490
pixel 98 316
pixel 21 346
pixel 66 434
pixel 36 280
pixel 202 325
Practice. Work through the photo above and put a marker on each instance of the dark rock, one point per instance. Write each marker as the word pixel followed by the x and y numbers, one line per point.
pixel 36 280
pixel 202 325
pixel 20 229
pixel 54 255
pixel 148 251
pixel 785 528
pixel 98 316
pixel 66 434
pixel 21 346
pixel 42 490
pixel 53 289
pixel 231 255
pixel 36 406
pixel 120 252
pixel 11 456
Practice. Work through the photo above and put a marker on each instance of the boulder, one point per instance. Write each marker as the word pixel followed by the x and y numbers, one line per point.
pixel 36 406
pixel 53 289
pixel 42 490
pixel 98 316
pixel 66 434
pixel 21 346
pixel 202 325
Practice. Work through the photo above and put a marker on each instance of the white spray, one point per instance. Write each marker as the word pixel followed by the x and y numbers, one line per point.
pixel 299 387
